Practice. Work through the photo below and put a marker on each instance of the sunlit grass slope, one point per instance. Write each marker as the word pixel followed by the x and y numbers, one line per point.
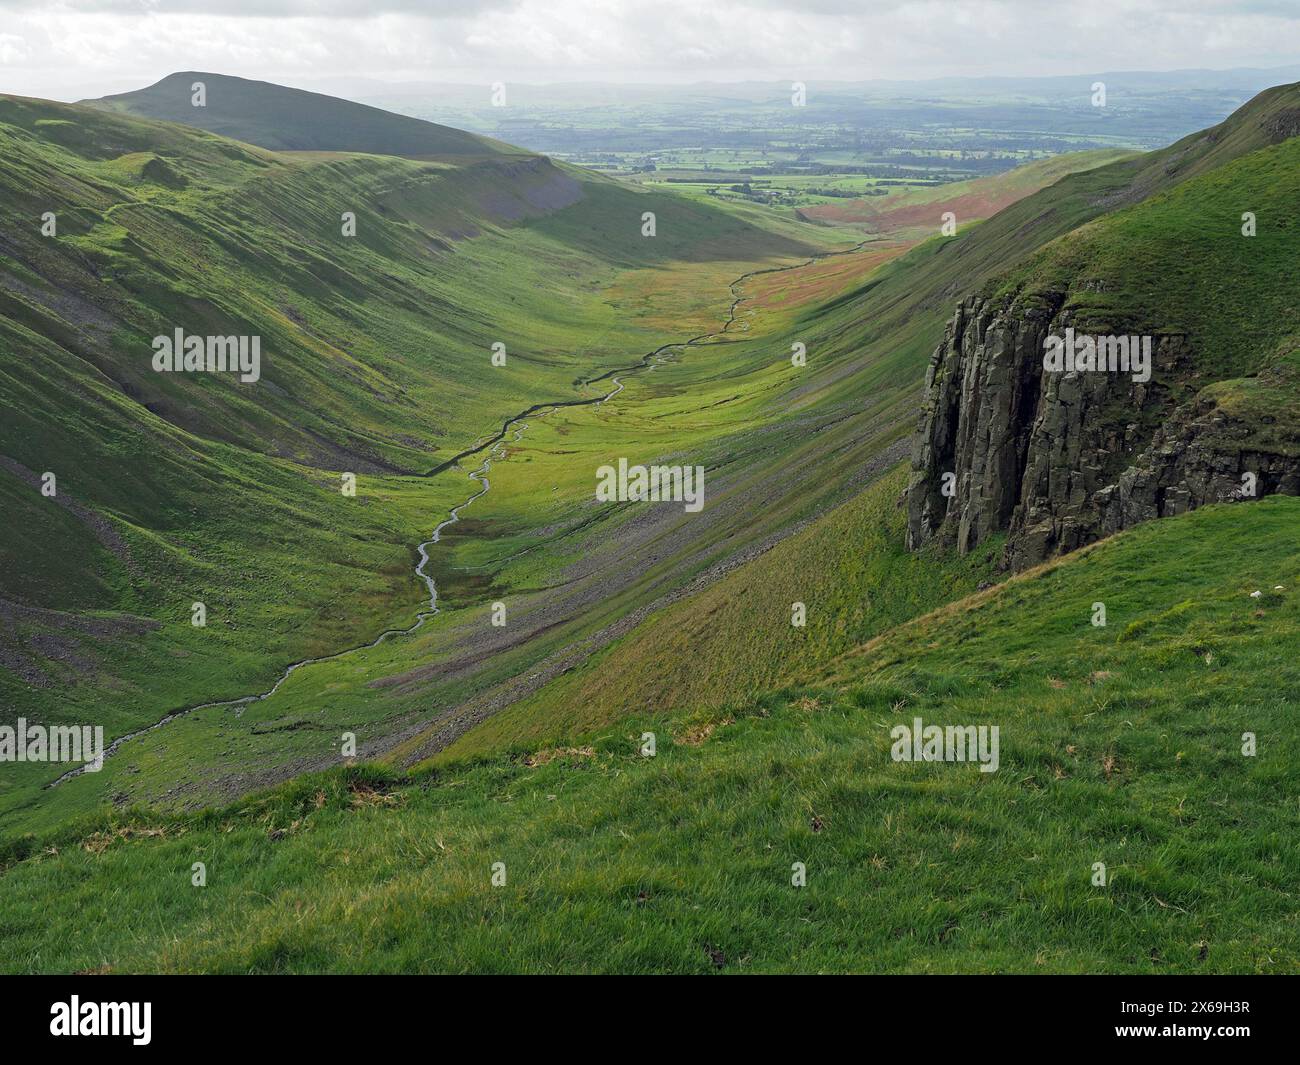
pixel 1119 745
pixel 737 637
pixel 183 488
pixel 1151 243
pixel 376 360
pixel 1180 264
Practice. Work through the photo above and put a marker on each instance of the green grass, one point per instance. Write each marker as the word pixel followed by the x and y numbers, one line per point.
pixel 1119 745
pixel 375 361
pixel 741 625
pixel 1178 264
pixel 1118 742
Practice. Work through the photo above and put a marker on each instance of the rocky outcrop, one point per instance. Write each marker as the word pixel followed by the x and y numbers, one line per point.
pixel 1058 459
pixel 1206 453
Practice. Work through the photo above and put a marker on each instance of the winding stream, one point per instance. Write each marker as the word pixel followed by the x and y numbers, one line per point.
pixel 480 475
pixel 496 450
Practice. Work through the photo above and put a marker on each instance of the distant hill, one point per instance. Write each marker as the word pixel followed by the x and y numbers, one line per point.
pixel 285 119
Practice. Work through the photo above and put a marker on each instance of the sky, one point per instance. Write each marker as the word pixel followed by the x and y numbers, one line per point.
pixel 70 49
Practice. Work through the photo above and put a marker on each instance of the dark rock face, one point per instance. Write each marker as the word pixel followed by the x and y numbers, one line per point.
pixel 1060 459
pixel 1200 457
pixel 1282 125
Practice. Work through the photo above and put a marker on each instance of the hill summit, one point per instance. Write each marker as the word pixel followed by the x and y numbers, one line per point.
pixel 284 119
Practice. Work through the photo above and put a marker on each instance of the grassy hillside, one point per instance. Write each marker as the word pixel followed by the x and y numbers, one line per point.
pixel 176 488
pixel 376 361
pixel 908 303
pixel 921 209
pixel 1179 264
pixel 1120 745
pixel 1173 260
pixel 285 119
pixel 849 569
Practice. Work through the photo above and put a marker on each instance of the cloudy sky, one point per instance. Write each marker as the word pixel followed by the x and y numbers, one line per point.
pixel 68 49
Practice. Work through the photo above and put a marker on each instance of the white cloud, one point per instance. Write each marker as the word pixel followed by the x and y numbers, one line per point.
pixel 72 48
pixel 13 49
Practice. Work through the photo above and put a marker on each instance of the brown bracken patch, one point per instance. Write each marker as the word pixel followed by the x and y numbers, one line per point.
pixel 697 734
pixel 549 755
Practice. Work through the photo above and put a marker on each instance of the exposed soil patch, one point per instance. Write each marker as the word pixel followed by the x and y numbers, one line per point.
pixel 100 527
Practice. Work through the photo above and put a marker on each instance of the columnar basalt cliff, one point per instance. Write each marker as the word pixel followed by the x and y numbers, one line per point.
pixel 1057 460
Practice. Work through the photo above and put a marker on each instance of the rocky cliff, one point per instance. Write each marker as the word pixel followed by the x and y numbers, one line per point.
pixel 1058 459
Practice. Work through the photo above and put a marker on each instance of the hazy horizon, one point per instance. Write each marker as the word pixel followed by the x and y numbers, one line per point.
pixel 118 45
